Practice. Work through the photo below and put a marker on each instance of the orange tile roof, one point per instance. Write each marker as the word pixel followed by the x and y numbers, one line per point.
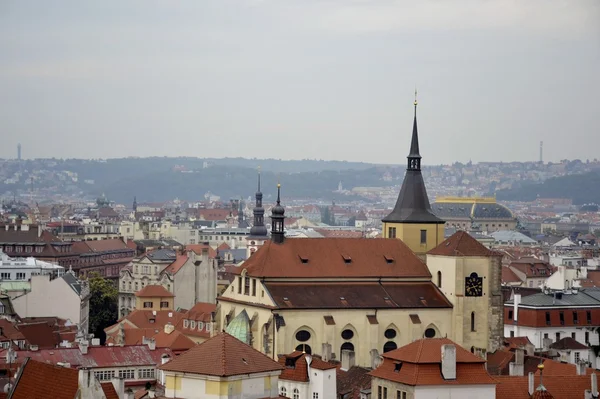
pixel 154 291
pixel 197 249
pixel 223 356
pixel 565 387
pixel 109 390
pixel 428 350
pixel 462 243
pixel 174 267
pixel 335 257
pixel 508 276
pixel 516 342
pixel 40 380
pixel 176 341
pixel 296 366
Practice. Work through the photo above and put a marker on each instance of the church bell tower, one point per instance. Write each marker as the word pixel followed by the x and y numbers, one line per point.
pixel 412 219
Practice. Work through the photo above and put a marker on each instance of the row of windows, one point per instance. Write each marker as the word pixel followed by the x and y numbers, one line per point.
pixel 192 324
pixel 248 282
pixel 19 248
pixel 8 276
pixel 296 393
pixel 382 393
pixel 163 305
pixel 128 374
pixel 146 269
pixel 136 286
pixel 423 236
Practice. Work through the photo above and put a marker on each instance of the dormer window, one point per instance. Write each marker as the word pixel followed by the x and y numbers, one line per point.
pixel 397 367
pixel 186 323
pixel 347 258
pixel 303 258
pixel 388 259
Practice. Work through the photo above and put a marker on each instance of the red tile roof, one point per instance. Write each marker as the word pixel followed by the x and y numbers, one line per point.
pixel 508 276
pixel 568 343
pixel 40 380
pixel 197 248
pixel 223 356
pixel 565 387
pixel 41 334
pixel 329 233
pixel 174 267
pixel 176 341
pixel 352 381
pixel 154 291
pixel 109 390
pixel 420 365
pixel 335 257
pixel 296 366
pixel 511 343
pixel 462 243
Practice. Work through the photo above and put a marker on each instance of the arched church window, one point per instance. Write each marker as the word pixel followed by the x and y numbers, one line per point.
pixel 346 346
pixel 472 321
pixel 439 279
pixel 302 335
pixel 347 334
pixel 304 348
pixel 390 333
pixel 296 394
pixel 430 333
pixel 389 346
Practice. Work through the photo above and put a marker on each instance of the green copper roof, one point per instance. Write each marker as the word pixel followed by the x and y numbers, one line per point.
pixel 240 327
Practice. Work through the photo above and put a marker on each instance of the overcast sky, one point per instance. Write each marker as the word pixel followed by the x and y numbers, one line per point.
pixel 293 79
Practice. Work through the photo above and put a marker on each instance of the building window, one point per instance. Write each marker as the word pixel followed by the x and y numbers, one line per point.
pixel 557 336
pixel 239 285
pixel 547 318
pixel 473 321
pixel 575 318
pixel 430 333
pixel 18 248
pixel 5 276
pixel 147 304
pixel 20 276
pixel 389 346
pixel 546 335
pixel 247 286
pixel 164 304
pixel 423 237
pixel 186 323
pixel 439 279
pixel 379 392
pixel 296 394
pixel 573 335
pixel 510 314
pixel 104 375
pixel 576 357
pixel 391 232
pixel 28 248
pixel 283 391
pixel 587 338
pixel 136 286
pixel 390 333
pixel 400 394
pixel 315 395
pixel 144 374
pixel 561 316
pixel 253 287
pixel 347 334
pixel 589 317
pixel 127 374
pixel 512 334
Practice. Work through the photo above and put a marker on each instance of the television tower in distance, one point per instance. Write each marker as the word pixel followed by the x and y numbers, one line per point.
pixel 19 151
pixel 541 152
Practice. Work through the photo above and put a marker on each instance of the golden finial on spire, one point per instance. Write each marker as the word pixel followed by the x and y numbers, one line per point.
pixel 278 185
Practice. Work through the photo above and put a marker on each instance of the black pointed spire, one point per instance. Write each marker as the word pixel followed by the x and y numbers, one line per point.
pixel 277 218
pixel 134 204
pixel 258 229
pixel 414 156
pixel 412 205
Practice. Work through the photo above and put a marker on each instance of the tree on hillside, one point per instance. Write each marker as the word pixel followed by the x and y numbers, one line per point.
pixel 103 305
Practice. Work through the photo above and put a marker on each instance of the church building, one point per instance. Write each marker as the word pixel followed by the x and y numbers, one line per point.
pixel 367 296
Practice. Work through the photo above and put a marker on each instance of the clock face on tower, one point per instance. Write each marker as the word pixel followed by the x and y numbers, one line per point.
pixel 473 285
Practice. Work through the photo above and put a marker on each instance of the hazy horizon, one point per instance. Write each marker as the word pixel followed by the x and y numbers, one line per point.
pixel 296 79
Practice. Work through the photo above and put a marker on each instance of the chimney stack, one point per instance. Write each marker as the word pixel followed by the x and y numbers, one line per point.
pixel 326 351
pixel 594 385
pixel 119 384
pixel 531 385
pixel 449 362
pixel 580 368
pixel 348 358
pixel 83 347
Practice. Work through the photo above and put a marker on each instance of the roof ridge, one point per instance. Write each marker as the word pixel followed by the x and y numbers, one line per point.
pixel 223 354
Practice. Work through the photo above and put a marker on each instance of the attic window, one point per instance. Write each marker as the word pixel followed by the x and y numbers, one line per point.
pixel 347 258
pixel 388 259
pixel 303 258
pixel 397 367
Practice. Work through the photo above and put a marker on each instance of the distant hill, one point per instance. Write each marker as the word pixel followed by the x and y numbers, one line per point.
pixel 582 189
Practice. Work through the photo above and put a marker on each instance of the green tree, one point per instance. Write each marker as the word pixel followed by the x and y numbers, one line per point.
pixel 104 297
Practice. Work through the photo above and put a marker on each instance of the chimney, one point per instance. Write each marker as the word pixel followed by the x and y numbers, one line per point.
pixel 85 376
pixel 83 347
pixel 151 393
pixel 516 303
pixel 348 358
pixel 152 344
pixel 519 356
pixel 580 368
pixel 375 358
pixel 119 384
pixel 546 342
pixel 594 385
pixel 516 369
pixel 169 328
pixel 95 341
pixel 33 348
pixel 448 361
pixel 128 394
pixel 326 351
pixel 531 385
